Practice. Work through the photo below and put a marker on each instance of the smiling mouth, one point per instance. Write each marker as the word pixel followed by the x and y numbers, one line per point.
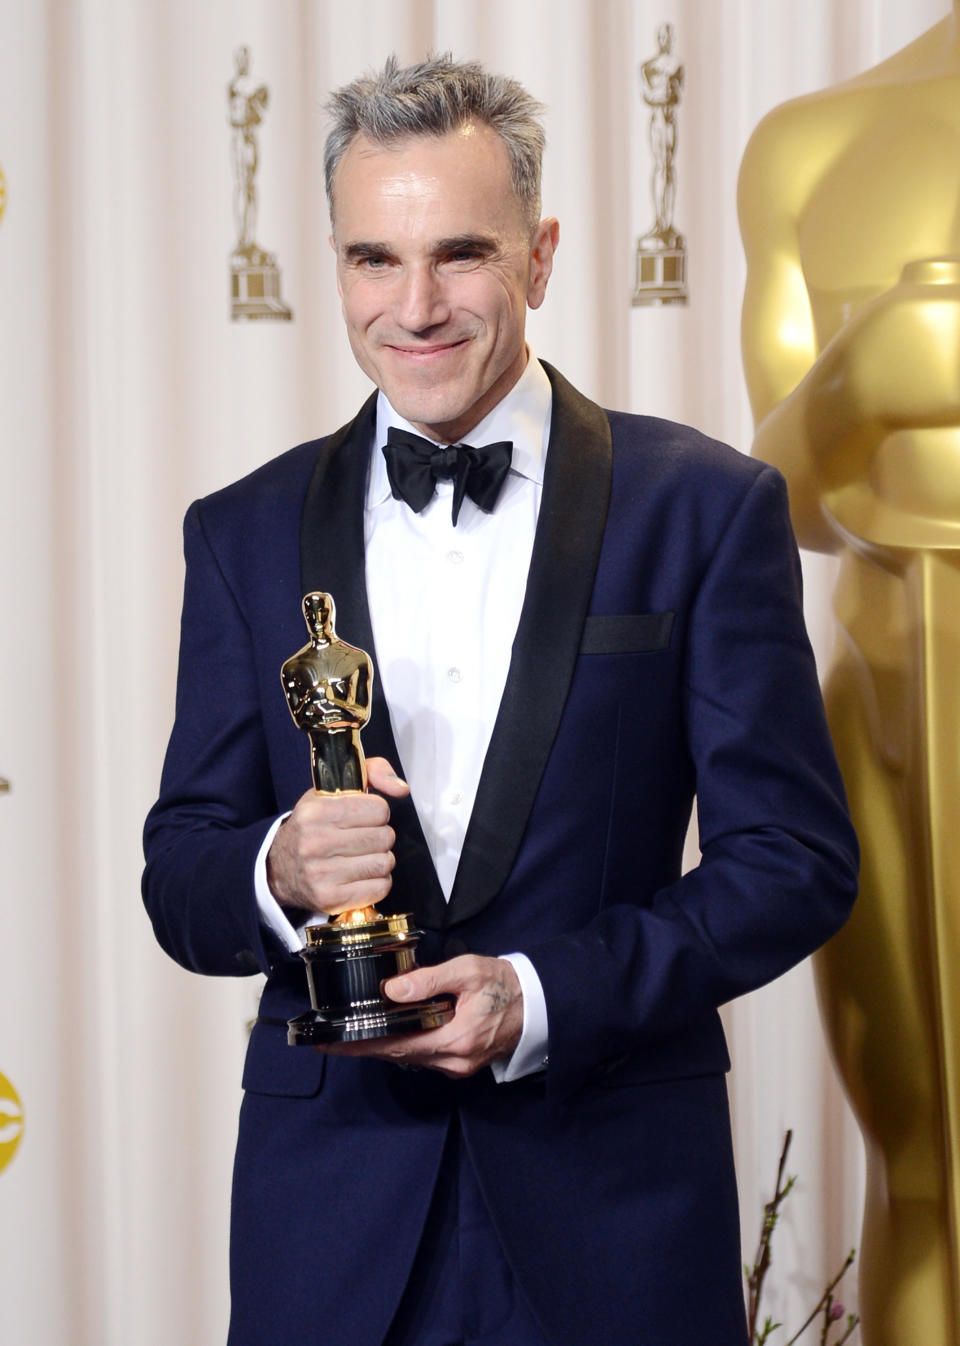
pixel 427 352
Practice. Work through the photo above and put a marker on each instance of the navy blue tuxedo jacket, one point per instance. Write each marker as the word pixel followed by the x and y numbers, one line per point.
pixel 661 653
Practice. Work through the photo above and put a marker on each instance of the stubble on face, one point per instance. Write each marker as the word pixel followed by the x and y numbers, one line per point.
pixel 436 265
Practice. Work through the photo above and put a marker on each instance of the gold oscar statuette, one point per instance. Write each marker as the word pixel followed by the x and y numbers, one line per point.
pixel 851 331
pixel 327 684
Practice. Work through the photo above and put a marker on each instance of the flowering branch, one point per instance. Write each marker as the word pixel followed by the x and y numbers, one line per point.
pixel 830 1309
pixel 763 1257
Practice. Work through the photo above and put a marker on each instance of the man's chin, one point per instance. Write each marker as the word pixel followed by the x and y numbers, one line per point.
pixel 430 411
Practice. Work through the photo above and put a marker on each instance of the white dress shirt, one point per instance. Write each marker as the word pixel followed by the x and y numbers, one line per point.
pixel 444 607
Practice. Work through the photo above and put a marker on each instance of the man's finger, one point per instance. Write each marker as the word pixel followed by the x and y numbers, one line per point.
pixel 339 842
pixel 424 982
pixel 381 776
pixel 349 809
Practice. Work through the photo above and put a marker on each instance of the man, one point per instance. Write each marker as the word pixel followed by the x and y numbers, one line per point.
pixel 557 673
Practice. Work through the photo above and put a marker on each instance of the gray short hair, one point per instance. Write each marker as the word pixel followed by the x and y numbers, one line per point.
pixel 434 97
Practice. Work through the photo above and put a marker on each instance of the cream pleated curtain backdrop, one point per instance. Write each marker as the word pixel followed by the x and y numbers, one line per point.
pixel 126 391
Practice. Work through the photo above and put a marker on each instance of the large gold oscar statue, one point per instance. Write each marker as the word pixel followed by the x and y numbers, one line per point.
pixel 850 210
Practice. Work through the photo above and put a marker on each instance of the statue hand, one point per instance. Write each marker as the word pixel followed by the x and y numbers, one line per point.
pixel 894 366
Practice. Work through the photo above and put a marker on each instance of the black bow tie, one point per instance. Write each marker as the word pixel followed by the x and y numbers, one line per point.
pixel 415 465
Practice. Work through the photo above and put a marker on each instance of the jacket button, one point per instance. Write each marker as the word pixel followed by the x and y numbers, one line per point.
pixel 453 947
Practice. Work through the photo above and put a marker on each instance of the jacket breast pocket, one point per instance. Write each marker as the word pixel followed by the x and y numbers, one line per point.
pixel 627 633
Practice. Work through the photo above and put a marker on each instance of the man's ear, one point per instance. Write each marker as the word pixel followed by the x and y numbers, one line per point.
pixel 546 239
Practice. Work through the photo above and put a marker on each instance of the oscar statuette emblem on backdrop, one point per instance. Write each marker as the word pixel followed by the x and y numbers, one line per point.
pixel 254 273
pixel 661 255
pixel 327 684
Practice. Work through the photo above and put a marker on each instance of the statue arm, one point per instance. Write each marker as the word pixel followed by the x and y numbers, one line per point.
pixel 823 413
pixel 649 83
pixel 778 336
pixel 892 367
pixel 362 693
pixel 355 702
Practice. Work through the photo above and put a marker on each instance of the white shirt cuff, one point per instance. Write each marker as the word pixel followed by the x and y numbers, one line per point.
pixel 530 1053
pixel 271 913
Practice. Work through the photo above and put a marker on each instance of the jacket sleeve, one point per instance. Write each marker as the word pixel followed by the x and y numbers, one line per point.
pixel 779 857
pixel 216 800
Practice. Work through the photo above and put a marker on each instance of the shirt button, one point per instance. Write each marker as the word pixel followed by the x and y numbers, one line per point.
pixel 456 797
pixel 455 557
pixel 454 674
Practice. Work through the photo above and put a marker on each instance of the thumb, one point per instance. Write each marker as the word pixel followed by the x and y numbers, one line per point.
pixel 420 984
pixel 382 778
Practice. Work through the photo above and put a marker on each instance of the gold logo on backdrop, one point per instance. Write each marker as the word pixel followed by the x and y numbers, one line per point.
pixel 11 1121
pixel 254 274
pixel 3 193
pixel 661 276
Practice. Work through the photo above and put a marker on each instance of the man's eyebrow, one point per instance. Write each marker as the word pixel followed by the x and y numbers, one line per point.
pixel 485 245
pixel 482 243
pixel 356 252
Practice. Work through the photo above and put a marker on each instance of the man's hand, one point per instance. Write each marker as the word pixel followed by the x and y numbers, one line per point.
pixel 486 1026
pixel 335 852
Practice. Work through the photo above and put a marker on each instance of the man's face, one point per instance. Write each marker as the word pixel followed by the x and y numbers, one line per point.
pixel 435 267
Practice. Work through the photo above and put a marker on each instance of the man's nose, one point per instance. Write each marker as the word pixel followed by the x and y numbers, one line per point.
pixel 421 302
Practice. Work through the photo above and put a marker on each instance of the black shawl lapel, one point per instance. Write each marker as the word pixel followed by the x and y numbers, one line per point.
pixel 332 560
pixel 573 512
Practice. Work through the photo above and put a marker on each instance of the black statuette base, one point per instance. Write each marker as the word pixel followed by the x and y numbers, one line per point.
pixel 311 1029
pixel 346 968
